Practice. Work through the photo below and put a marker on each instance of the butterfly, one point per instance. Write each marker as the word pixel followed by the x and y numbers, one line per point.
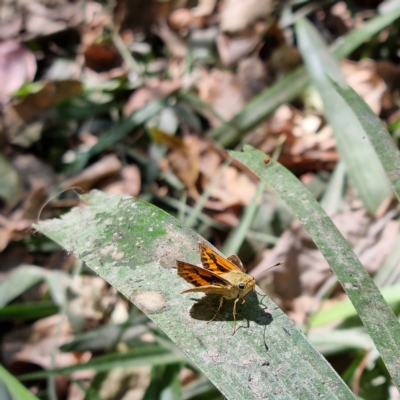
pixel 222 276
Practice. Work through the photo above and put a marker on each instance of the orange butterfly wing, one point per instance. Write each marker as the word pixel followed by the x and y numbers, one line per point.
pixel 198 276
pixel 212 261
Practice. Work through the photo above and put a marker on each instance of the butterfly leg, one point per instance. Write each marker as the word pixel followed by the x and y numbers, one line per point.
pixel 234 314
pixel 219 307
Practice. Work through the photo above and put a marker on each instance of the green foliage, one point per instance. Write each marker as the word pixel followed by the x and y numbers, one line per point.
pixel 134 246
pixel 376 315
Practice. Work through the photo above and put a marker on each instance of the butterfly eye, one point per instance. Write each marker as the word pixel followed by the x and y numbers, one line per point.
pixel 241 285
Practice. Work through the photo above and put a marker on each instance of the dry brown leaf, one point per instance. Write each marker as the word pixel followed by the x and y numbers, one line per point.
pixel 102 57
pixel 183 19
pixel 284 59
pixel 88 307
pixel 237 15
pixel 226 217
pixel 234 188
pixel 232 49
pixel 106 166
pixel 362 77
pixel 12 22
pixel 129 183
pixel 305 269
pixel 253 76
pixel 146 94
pixel 175 44
pixel 17 66
pixel 204 8
pixel 389 72
pixel 306 147
pixel 223 92
pixel 33 104
pixel 35 344
pixel 184 161
pixel 209 163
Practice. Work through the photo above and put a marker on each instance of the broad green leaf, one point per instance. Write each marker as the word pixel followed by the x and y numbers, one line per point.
pixel 376 315
pixel 290 87
pixel 134 246
pixel 389 272
pixel 19 281
pixel 26 276
pixel 379 137
pixel 334 341
pixel 164 383
pixel 345 309
pixel 27 311
pixel 17 390
pixel 368 177
pixel 10 182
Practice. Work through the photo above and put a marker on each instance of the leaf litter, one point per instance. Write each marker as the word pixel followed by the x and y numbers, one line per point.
pixel 225 53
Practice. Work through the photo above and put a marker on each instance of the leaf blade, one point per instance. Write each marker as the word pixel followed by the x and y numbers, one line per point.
pixel 378 318
pixel 152 241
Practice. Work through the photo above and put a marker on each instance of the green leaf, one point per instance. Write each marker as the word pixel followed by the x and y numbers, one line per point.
pixel 336 341
pixel 376 315
pixel 17 390
pixel 134 246
pixel 379 137
pixel 19 281
pixel 345 309
pixel 368 177
pixel 10 182
pixel 164 383
pixel 27 311
pixel 26 276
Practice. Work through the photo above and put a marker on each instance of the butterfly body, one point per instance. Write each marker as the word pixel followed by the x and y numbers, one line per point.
pixel 229 290
pixel 221 276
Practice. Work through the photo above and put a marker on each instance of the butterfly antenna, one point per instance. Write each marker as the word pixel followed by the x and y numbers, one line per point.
pixel 276 265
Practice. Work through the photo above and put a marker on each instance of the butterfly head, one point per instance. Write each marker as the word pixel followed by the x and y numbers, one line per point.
pixel 246 284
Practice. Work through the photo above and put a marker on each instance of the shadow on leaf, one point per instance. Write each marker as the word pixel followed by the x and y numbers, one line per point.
pixel 205 308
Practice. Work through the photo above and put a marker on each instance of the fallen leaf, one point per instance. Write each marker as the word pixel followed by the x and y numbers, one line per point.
pixel 223 92
pixel 146 94
pixel 184 161
pixel 362 77
pixel 204 8
pixel 128 184
pixel 237 15
pixel 17 66
pixel 305 269
pixel 32 105
pixel 106 166
pixel 102 57
pixel 233 188
pixel 232 49
pixel 174 43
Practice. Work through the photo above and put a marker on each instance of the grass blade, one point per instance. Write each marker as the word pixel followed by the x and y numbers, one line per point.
pixel 368 178
pixel 375 313
pixel 18 390
pixel 134 246
pixel 379 137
